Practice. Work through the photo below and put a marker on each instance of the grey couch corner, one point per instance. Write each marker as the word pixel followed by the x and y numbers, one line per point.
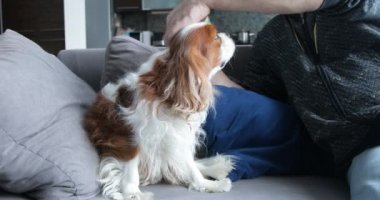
pixel 88 65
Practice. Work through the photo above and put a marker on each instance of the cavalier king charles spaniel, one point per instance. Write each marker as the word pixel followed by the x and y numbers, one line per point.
pixel 147 126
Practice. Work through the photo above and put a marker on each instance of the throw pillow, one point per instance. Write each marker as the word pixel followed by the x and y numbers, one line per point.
pixel 44 151
pixel 124 54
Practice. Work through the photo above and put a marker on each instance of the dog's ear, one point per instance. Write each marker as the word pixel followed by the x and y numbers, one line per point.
pixel 179 81
pixel 180 77
pixel 193 90
pixel 192 55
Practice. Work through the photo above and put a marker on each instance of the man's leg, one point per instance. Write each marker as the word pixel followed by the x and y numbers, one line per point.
pixel 364 175
pixel 262 134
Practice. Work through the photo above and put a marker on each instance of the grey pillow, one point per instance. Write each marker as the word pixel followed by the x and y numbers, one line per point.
pixel 44 151
pixel 124 54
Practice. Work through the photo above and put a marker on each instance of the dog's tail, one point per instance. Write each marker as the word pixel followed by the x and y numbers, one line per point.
pixel 110 175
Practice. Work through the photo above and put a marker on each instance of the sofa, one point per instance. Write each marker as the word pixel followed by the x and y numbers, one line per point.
pixel 88 65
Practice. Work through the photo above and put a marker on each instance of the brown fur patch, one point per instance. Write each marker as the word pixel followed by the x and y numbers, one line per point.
pixel 125 96
pixel 110 135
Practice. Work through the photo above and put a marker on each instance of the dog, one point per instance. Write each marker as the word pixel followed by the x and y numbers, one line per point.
pixel 147 125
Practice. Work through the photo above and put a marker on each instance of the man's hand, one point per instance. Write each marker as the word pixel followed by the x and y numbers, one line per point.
pixel 188 11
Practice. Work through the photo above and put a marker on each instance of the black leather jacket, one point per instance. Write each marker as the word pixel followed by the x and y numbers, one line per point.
pixel 327 64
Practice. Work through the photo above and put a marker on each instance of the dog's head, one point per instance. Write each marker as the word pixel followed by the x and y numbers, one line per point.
pixel 180 77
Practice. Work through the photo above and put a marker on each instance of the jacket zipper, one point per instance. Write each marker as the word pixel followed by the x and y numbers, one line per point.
pixel 313 50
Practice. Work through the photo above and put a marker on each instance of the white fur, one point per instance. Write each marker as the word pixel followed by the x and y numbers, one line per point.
pixel 216 167
pixel 227 50
pixel 110 177
pixel 167 145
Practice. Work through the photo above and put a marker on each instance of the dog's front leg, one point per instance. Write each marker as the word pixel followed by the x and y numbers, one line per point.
pixel 131 181
pixel 200 183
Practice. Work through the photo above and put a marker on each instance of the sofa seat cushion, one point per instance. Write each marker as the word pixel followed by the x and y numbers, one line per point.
pixel 263 188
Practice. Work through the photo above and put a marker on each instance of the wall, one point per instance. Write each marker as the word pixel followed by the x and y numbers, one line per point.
pixel 232 22
pixel 98 23
pixel 75 24
pixel 87 23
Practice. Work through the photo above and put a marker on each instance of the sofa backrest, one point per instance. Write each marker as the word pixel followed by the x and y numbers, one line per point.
pixel 88 64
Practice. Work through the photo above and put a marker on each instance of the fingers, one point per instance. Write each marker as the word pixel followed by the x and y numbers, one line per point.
pixel 187 12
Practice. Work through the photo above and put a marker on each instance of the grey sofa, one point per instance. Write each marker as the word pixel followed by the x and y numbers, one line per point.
pixel 88 65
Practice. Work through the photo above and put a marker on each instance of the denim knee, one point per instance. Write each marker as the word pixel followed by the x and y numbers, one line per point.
pixel 364 175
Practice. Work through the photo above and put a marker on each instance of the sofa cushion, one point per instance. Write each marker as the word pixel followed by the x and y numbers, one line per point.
pixel 44 151
pixel 262 188
pixel 124 54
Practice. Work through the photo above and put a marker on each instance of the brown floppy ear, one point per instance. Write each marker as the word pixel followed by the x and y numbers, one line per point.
pixel 179 79
pixel 193 91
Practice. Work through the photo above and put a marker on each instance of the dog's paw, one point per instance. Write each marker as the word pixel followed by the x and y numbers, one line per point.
pixel 139 196
pixel 216 186
pixel 223 185
pixel 115 196
pixel 217 167
pixel 222 167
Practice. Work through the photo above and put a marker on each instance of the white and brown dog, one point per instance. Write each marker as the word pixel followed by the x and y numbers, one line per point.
pixel 147 126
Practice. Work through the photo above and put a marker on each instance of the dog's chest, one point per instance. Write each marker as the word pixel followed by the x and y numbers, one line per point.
pixel 165 135
pixel 165 144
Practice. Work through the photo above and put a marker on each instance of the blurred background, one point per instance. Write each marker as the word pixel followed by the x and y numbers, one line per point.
pixel 73 24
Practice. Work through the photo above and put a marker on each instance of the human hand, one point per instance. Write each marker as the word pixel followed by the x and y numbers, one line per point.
pixel 187 12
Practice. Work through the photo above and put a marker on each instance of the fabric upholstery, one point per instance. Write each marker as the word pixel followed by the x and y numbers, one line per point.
pixel 263 188
pixel 85 63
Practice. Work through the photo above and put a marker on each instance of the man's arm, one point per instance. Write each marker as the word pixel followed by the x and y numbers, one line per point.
pixel 190 11
pixel 266 6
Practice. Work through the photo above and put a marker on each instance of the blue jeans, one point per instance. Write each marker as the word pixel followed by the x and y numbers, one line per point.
pixel 261 134
pixel 364 175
